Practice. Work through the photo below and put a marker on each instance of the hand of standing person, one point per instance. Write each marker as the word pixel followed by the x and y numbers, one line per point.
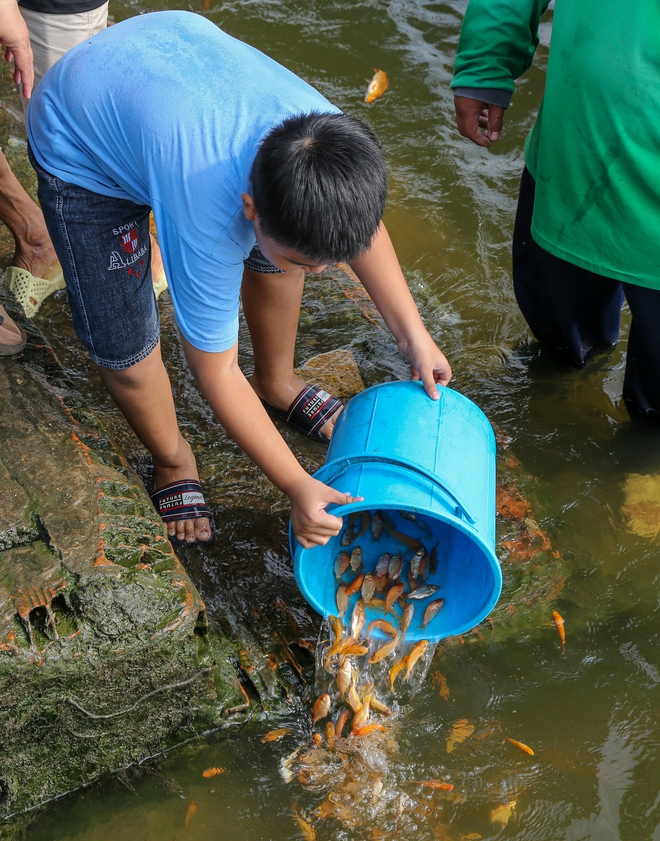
pixel 481 122
pixel 14 36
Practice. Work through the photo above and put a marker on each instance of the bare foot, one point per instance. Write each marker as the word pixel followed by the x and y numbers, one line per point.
pixel 282 395
pixel 187 531
pixel 10 335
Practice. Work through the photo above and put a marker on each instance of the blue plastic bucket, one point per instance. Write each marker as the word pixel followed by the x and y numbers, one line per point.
pixel 428 467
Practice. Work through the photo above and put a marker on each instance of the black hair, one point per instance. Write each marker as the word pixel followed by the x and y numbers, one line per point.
pixel 319 184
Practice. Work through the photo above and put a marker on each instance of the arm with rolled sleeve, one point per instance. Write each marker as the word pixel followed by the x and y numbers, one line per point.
pixel 497 44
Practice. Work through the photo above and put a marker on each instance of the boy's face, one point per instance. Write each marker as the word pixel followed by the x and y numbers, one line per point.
pixel 286 259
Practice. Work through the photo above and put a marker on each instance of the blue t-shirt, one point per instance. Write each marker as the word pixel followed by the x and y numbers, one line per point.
pixel 166 110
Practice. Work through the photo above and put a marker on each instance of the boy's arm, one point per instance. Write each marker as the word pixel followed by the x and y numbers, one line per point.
pixel 497 44
pixel 240 411
pixel 380 273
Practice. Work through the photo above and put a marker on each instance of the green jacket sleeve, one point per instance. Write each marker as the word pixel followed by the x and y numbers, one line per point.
pixel 497 42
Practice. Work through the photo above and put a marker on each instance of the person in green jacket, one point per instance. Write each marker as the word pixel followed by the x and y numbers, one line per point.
pixel 588 221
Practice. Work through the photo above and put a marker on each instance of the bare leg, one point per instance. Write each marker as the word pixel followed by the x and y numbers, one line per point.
pixel 144 395
pixel 156 258
pixel 34 250
pixel 271 303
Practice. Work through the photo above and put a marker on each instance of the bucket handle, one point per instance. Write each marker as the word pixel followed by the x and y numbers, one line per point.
pixel 347 461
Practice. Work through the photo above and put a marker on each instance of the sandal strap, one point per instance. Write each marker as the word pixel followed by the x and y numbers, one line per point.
pixel 181 500
pixel 311 409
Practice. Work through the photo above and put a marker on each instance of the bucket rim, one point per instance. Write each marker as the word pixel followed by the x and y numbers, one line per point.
pixel 489 552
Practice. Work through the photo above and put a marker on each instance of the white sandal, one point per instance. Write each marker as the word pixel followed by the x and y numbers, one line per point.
pixel 32 291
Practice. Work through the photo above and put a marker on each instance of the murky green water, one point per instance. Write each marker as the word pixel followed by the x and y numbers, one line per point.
pixel 591 712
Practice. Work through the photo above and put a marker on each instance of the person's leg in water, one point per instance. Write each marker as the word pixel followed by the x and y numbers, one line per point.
pixel 564 305
pixel 271 304
pixel 104 247
pixel 641 384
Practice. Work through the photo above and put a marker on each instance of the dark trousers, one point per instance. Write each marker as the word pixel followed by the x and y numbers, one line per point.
pixel 575 309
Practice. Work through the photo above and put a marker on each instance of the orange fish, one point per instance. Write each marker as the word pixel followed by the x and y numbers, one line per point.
pixel 383 625
pixel 437 785
pixel 316 738
pixel 355 585
pixel 213 772
pixel 321 708
pixel 396 668
pixel 274 736
pixel 356 649
pixel 189 813
pixel 377 86
pixel 559 623
pixel 330 735
pixel 521 746
pixel 392 595
pixel 368 728
pixel 341 721
pixel 385 650
pixel 362 715
pixel 414 656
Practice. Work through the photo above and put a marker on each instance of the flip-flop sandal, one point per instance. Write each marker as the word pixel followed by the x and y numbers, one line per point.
pixel 32 291
pixel 309 411
pixel 183 500
pixel 9 349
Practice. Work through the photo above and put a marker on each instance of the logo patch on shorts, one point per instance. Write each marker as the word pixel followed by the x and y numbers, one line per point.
pixel 129 242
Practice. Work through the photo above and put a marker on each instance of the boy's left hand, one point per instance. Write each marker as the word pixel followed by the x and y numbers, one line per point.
pixel 427 363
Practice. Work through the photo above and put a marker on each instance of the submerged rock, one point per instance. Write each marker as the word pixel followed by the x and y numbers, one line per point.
pixel 105 654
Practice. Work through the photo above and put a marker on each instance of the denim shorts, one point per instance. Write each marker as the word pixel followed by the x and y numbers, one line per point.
pixel 104 249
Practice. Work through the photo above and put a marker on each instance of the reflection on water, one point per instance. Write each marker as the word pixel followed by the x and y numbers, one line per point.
pixel 589 711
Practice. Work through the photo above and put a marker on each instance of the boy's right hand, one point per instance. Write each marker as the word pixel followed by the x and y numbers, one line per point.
pixel 311 523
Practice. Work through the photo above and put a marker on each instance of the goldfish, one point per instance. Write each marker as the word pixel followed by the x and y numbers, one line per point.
pixel 396 564
pixel 330 735
pixel 341 721
pixel 316 738
pixel 416 560
pixel 274 736
pixel 413 583
pixel 342 561
pixel 365 524
pixel 356 559
pixel 355 585
pixel 392 595
pixel 213 772
pixel 344 676
pixel 379 706
pixel 190 811
pixel 384 625
pixel 460 731
pixel 367 728
pixel 377 603
pixel 437 785
pixel 385 650
pixel 424 591
pixel 353 698
pixel 377 86
pixel 355 649
pixel 307 830
pixel 362 715
pixel 337 627
pixel 396 668
pixel 431 611
pixel 321 708
pixel 408 541
pixel 424 567
pixel 406 617
pixel 414 656
pixel 383 564
pixel 368 587
pixel 358 618
pixel 376 526
pixel 502 813
pixel 521 746
pixel 341 599
pixel 559 623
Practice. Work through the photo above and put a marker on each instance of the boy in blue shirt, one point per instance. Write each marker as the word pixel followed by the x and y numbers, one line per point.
pixel 166 112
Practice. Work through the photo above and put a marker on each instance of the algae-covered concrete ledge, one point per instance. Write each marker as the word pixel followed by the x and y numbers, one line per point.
pixel 105 654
